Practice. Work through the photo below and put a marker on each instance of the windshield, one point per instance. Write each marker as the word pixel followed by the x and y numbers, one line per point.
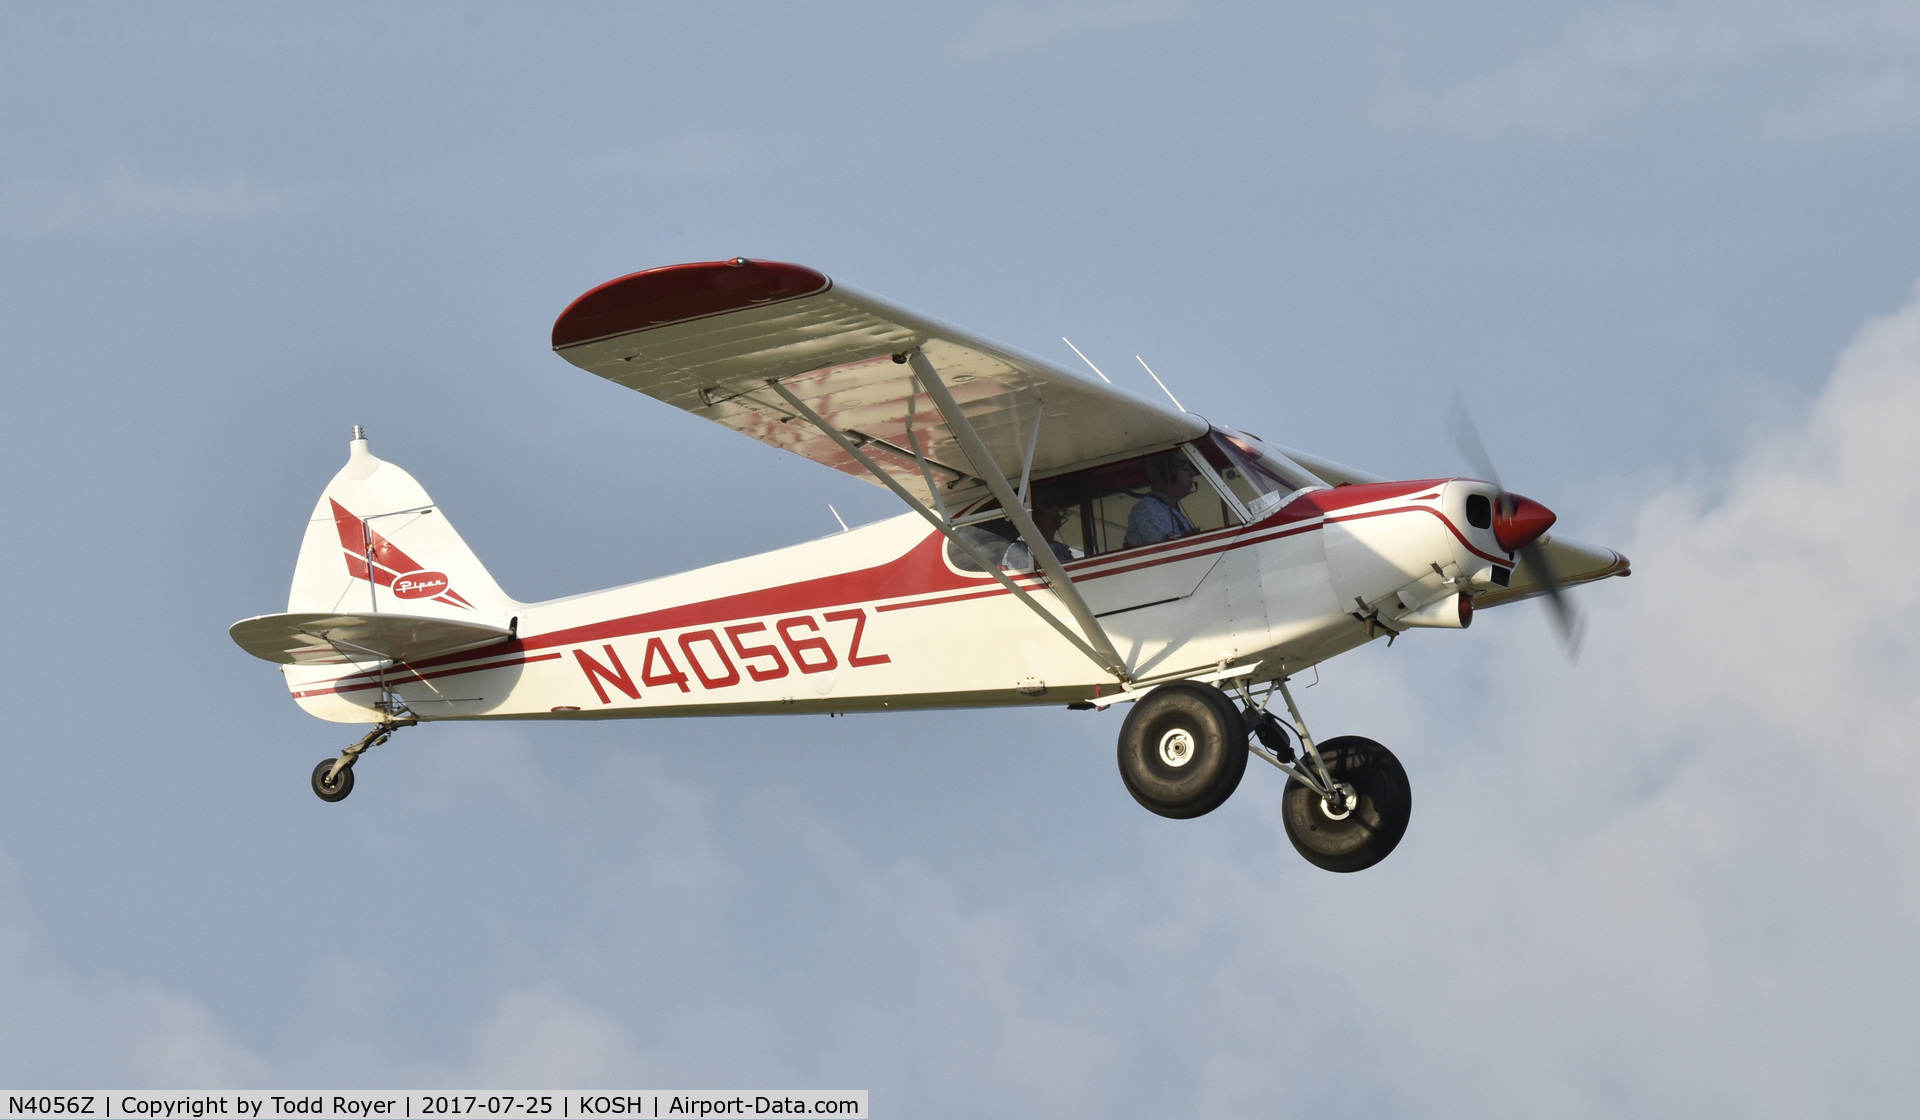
pixel 1253 470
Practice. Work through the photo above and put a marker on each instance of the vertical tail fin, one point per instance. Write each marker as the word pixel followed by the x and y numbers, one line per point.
pixel 376 543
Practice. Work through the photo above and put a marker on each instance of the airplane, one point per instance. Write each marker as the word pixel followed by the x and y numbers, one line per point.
pixel 1066 542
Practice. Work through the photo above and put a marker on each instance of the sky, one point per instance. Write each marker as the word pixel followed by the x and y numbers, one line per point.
pixel 1666 253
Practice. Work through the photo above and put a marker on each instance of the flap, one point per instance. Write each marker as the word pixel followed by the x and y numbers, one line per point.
pixel 340 639
pixel 708 337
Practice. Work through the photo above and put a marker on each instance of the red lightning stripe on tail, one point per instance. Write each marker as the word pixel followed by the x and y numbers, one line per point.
pixel 388 560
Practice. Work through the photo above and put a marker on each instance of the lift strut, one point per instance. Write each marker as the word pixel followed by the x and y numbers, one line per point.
pixel 1102 655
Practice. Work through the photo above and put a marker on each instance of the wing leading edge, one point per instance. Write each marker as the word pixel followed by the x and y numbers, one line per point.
pixel 709 337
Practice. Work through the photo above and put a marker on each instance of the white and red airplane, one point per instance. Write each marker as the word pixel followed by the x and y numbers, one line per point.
pixel 1068 543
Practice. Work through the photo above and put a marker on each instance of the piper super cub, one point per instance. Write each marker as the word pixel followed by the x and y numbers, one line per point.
pixel 1068 542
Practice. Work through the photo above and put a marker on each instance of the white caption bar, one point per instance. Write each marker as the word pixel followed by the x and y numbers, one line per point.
pixel 377 1105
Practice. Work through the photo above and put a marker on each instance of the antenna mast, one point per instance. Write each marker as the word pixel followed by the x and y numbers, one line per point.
pixel 1086 359
pixel 1162 384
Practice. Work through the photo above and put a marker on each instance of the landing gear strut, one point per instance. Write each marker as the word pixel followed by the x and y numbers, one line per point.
pixel 1184 748
pixel 333 778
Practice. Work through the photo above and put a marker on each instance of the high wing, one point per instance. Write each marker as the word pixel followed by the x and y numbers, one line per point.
pixel 709 337
pixel 1338 474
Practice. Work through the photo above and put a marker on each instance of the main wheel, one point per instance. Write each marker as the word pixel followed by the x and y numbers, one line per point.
pixel 338 788
pixel 1183 749
pixel 1339 839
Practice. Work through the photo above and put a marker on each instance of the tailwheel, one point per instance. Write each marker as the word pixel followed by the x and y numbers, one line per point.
pixel 1183 749
pixel 329 786
pixel 1355 831
pixel 333 778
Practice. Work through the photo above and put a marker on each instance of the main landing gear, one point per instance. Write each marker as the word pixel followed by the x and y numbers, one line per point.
pixel 1184 748
pixel 1364 821
pixel 333 778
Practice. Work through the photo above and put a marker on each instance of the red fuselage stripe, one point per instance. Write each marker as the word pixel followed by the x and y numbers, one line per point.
pixel 870 584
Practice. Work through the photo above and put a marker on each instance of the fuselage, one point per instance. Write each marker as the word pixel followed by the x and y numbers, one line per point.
pixel 881 617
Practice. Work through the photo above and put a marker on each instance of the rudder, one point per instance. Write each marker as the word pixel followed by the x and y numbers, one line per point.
pixel 376 543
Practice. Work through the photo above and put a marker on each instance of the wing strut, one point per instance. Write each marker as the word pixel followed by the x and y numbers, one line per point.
pixel 1033 442
pixel 1107 660
pixel 932 487
pixel 1041 549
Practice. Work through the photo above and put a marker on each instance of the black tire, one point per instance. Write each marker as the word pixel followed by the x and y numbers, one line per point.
pixel 336 790
pixel 1371 830
pixel 1183 750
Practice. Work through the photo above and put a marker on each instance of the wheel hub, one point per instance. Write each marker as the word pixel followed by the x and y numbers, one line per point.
pixel 1341 805
pixel 1176 747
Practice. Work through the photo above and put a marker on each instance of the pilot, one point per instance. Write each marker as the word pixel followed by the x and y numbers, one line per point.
pixel 1048 518
pixel 1158 517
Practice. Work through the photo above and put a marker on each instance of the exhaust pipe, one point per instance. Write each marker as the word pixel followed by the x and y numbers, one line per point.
pixel 1455 612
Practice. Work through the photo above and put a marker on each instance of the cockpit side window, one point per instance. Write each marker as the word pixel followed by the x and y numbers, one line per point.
pixel 1100 510
pixel 990 538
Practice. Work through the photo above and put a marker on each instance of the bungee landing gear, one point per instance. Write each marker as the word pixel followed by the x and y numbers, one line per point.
pixel 1183 750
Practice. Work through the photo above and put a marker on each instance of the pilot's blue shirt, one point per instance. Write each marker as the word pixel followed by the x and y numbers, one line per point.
pixel 1155 518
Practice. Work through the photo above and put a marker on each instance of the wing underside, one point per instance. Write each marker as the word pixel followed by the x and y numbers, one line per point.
pixel 709 338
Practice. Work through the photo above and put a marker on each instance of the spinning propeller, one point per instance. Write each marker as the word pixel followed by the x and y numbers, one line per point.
pixel 1518 524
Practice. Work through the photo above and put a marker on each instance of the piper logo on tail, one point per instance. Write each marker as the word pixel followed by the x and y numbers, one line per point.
pixel 390 567
pixel 419 585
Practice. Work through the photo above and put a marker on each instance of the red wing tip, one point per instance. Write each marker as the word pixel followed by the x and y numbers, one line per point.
pixel 676 293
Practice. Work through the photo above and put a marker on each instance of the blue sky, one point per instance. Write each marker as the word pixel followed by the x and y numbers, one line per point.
pixel 1667 253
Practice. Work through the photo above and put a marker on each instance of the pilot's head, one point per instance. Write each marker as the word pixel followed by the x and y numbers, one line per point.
pixel 1048 516
pixel 1172 474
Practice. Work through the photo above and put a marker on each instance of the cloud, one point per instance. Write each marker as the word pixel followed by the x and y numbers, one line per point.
pixel 62 1029
pixel 544 1036
pixel 1685 876
pixel 1682 877
pixel 1792 68
pixel 126 197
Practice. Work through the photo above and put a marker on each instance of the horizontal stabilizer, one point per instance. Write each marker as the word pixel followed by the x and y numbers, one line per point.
pixel 1571 561
pixel 339 639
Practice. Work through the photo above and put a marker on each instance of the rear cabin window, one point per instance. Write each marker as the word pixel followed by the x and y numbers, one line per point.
pixel 1088 512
